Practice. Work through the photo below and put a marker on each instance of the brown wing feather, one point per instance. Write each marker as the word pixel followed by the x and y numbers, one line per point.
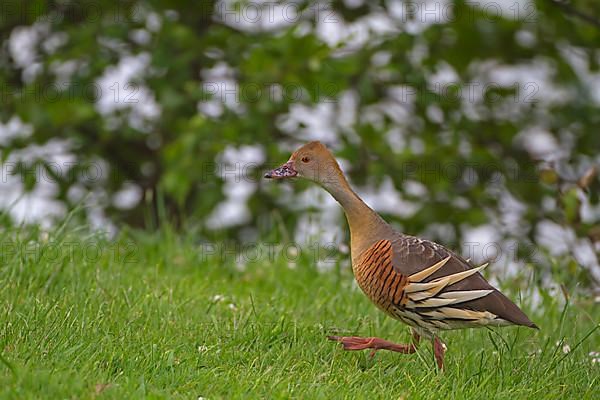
pixel 411 255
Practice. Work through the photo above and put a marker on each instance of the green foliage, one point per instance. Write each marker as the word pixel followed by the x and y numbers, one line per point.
pixel 175 157
pixel 152 316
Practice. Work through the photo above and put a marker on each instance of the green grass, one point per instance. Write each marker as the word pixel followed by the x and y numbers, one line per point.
pixel 150 316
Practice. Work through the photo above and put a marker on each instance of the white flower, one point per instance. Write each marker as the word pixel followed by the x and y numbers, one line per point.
pixel 217 297
pixel 595 355
pixel 202 348
pixel 565 347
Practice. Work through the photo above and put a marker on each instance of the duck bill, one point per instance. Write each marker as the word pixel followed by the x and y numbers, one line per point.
pixel 285 171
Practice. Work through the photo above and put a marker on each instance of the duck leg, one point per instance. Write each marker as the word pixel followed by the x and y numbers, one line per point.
pixel 360 343
pixel 439 349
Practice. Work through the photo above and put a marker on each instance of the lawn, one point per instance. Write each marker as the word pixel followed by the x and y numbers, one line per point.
pixel 163 316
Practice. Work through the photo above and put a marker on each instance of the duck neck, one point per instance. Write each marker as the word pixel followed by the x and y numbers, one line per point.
pixel 366 226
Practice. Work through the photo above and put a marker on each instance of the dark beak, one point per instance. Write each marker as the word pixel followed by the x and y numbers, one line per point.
pixel 285 171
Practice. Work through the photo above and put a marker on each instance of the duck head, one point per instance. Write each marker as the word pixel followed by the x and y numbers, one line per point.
pixel 313 161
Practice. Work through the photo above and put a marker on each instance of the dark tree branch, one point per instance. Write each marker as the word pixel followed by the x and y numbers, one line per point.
pixel 569 9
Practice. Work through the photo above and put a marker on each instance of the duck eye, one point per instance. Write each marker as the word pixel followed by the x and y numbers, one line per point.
pixel 305 159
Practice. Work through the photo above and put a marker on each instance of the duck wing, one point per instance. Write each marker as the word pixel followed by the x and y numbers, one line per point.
pixel 444 286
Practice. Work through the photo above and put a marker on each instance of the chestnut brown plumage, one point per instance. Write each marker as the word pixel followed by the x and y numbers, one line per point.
pixel 417 281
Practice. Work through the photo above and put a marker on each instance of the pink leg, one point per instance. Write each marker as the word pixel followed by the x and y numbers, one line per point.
pixel 359 343
pixel 439 349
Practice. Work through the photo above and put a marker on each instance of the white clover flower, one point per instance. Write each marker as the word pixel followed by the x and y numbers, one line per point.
pixel 217 298
pixel 202 348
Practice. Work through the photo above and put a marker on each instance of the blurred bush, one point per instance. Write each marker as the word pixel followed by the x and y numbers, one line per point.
pixel 470 112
